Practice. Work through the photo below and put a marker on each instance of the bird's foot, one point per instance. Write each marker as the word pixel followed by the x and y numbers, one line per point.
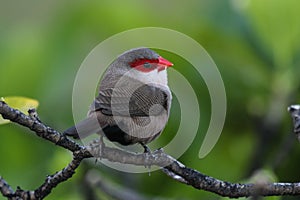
pixel 148 157
pixel 159 151
pixel 101 147
pixel 96 148
pixel 146 149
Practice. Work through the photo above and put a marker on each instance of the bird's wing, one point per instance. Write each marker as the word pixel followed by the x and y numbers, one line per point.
pixel 145 100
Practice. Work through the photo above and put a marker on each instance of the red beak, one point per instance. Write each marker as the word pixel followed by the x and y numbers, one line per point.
pixel 163 63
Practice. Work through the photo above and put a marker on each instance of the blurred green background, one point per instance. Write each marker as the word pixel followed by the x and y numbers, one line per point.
pixel 254 43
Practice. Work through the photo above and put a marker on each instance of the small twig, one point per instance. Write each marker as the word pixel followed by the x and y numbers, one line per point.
pixel 112 190
pixel 60 176
pixel 38 127
pixel 174 176
pixel 33 114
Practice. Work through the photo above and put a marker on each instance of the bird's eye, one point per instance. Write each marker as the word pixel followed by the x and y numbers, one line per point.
pixel 147 65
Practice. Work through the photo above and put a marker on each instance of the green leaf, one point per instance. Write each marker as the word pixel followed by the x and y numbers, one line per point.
pixel 20 103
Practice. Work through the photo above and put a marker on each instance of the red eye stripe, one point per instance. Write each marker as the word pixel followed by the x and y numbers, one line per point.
pixel 147 65
pixel 144 69
pixel 139 65
pixel 142 62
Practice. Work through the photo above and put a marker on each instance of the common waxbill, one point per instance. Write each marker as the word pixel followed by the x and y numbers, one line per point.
pixel 133 102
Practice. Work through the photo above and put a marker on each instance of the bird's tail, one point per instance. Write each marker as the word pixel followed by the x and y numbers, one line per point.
pixel 83 128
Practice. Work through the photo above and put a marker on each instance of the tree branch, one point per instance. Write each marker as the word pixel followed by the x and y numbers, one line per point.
pixel 5 189
pixel 174 168
pixel 114 191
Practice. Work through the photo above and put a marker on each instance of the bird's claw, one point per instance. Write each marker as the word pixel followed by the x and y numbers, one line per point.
pixel 148 156
pixel 101 147
pixel 159 151
pixel 96 148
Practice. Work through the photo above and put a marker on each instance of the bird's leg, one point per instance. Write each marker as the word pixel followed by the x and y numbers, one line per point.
pixel 147 154
pixel 146 149
pixel 101 146
pixel 97 148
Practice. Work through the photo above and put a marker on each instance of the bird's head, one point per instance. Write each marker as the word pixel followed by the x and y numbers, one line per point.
pixel 142 64
pixel 144 60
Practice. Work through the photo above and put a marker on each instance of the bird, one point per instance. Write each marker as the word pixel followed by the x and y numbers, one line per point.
pixel 133 101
